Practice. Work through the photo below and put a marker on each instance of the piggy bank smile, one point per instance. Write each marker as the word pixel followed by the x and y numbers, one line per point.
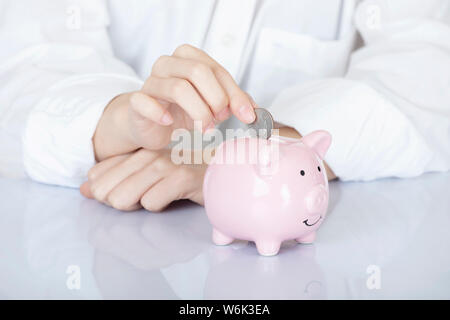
pixel 308 222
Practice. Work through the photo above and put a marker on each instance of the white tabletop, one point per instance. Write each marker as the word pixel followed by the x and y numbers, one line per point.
pixel 383 239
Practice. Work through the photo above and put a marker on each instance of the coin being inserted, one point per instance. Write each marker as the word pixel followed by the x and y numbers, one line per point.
pixel 263 123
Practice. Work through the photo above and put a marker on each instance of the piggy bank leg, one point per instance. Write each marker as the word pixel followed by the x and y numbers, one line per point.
pixel 220 239
pixel 309 238
pixel 268 248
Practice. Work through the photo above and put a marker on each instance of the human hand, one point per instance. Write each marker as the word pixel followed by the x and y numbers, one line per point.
pixel 185 87
pixel 144 178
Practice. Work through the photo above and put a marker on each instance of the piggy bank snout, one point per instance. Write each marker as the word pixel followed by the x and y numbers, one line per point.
pixel 316 200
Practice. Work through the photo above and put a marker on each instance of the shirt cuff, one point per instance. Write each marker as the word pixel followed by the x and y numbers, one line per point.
pixel 57 140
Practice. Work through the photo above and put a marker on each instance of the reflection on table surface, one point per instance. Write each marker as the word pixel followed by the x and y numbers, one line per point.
pixel 400 228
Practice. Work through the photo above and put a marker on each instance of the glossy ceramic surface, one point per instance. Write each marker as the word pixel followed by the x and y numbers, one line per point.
pixel 267 191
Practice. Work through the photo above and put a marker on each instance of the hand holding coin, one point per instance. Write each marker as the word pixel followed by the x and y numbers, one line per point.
pixel 263 123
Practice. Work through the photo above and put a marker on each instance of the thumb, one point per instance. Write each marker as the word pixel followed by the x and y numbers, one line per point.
pixel 150 108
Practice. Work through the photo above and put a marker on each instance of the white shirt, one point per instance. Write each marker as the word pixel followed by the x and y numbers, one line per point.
pixel 387 104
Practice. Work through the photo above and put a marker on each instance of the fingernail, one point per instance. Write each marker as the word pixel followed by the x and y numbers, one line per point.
pixel 253 103
pixel 247 114
pixel 223 115
pixel 210 127
pixel 166 119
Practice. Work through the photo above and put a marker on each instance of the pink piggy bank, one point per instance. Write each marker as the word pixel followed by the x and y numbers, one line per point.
pixel 281 195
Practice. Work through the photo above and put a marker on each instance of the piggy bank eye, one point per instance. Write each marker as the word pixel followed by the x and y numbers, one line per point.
pixel 302 173
pixel 318 168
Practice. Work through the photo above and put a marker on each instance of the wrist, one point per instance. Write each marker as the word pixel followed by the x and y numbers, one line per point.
pixel 120 118
pixel 289 132
pixel 113 135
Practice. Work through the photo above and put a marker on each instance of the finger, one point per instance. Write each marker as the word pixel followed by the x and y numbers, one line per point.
pixel 254 105
pixel 182 93
pixel 151 109
pixel 103 166
pixel 133 207
pixel 97 171
pixel 85 190
pixel 128 193
pixel 200 75
pixel 240 104
pixel 175 186
pixel 102 186
pixel 159 196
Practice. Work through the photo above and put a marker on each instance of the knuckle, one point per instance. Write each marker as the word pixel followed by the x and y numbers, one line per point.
pixel 148 204
pixel 134 97
pixel 161 61
pixel 220 72
pixel 118 202
pixel 179 88
pixel 222 102
pixel 92 174
pixel 97 192
pixel 198 71
pixel 149 83
pixel 139 157
pixel 184 49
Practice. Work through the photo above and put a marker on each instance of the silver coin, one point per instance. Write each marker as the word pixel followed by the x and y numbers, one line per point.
pixel 263 123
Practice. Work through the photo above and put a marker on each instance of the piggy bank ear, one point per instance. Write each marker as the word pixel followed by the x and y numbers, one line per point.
pixel 319 141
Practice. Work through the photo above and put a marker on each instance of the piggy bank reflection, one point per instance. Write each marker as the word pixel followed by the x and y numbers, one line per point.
pixel 237 274
pixel 267 191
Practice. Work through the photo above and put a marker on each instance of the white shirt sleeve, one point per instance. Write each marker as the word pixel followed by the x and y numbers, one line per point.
pixel 390 114
pixel 58 73
pixel 57 141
